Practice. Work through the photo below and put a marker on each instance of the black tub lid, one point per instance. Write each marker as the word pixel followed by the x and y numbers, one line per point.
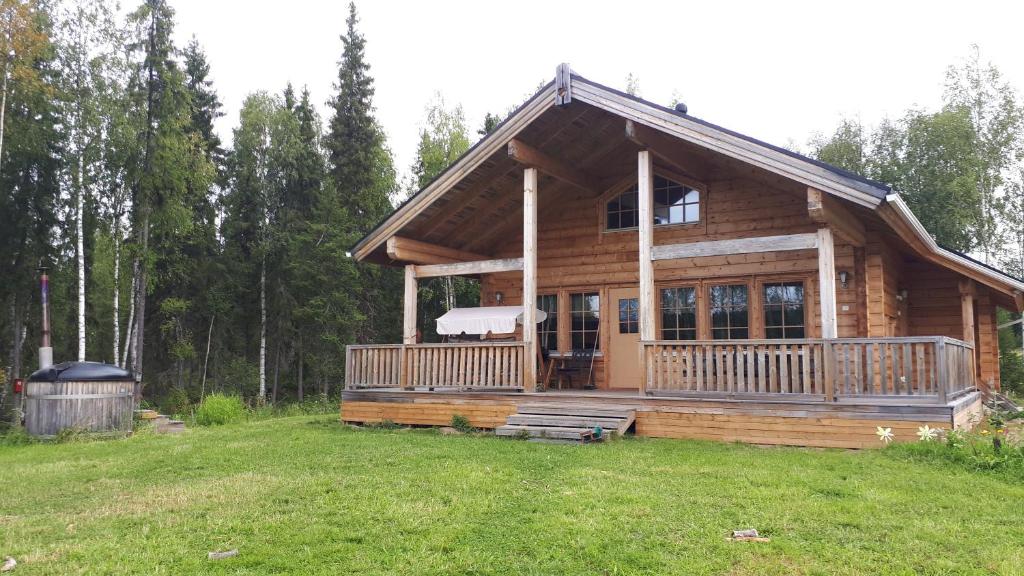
pixel 82 372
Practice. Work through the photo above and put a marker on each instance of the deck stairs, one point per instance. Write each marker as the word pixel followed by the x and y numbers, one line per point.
pixel 567 422
pixel 162 424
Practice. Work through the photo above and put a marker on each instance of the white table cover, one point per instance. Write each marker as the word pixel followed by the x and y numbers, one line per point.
pixel 493 319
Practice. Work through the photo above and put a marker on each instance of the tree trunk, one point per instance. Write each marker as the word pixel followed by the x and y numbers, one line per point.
pixel 206 359
pixel 263 330
pixel 3 98
pixel 301 360
pixel 80 250
pixel 277 371
pixel 140 309
pixel 129 343
pixel 117 291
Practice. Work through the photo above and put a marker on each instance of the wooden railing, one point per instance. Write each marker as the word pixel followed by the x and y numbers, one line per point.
pixel 926 368
pixel 458 366
pixel 723 367
pixel 938 367
pixel 374 366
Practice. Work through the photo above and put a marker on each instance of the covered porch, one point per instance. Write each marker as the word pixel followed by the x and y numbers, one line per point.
pixel 712 280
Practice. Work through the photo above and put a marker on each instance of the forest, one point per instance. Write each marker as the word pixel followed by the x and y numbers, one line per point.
pixel 206 267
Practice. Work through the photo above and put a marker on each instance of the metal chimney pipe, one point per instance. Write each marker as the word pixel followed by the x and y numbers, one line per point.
pixel 45 350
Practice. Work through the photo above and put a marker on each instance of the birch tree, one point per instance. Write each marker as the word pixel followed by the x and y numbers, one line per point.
pixel 995 115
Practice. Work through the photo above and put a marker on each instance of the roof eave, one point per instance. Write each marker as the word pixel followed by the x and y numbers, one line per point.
pixel 470 160
pixel 989 276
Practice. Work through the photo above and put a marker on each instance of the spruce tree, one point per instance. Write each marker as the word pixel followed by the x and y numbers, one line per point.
pixel 363 180
pixel 169 170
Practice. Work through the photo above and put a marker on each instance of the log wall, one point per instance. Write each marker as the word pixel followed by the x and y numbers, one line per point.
pixel 576 254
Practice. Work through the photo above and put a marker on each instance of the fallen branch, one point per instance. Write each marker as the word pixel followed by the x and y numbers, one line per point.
pixel 222 555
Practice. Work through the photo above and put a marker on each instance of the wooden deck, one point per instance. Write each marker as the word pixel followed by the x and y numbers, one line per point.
pixel 771 421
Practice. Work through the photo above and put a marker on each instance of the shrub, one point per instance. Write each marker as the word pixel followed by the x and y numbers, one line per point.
pixel 991 449
pixel 461 423
pixel 16 436
pixel 176 402
pixel 217 409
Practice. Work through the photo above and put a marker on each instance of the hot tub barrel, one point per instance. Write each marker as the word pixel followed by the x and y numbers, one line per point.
pixel 86 396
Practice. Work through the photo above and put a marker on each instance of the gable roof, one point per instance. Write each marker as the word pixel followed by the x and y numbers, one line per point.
pixel 874 187
pixel 781 161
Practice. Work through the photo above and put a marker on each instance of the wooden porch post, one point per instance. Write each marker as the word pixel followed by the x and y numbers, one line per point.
pixel 409 306
pixel 827 283
pixel 530 278
pixel 967 293
pixel 645 187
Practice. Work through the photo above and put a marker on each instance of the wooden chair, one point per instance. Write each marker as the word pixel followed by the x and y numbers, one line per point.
pixel 578 364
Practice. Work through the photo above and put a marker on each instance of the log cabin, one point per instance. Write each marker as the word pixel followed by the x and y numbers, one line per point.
pixel 687 281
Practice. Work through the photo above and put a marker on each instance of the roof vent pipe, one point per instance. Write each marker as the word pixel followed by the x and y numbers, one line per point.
pixel 681 108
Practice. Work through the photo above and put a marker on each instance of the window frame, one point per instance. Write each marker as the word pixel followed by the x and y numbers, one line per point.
pixel 709 285
pixel 632 321
pixel 572 312
pixel 808 305
pixel 550 325
pixel 697 304
pixel 623 186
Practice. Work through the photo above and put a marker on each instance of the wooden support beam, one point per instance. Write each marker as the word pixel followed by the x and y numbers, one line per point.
pixel 418 252
pixel 806 241
pixel 645 186
pixel 827 283
pixel 661 144
pixel 968 291
pixel 469 268
pixel 409 306
pixel 529 265
pixel 530 157
pixel 828 211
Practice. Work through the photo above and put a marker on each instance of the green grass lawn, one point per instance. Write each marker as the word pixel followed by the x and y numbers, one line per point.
pixel 306 495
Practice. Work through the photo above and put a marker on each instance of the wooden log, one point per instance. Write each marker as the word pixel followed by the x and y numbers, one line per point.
pixel 531 157
pixel 827 283
pixel 754 245
pixel 645 187
pixel 469 268
pixel 529 267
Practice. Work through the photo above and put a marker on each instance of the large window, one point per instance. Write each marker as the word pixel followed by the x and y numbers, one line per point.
pixel 547 331
pixel 679 313
pixel 784 310
pixel 585 317
pixel 674 203
pixel 729 315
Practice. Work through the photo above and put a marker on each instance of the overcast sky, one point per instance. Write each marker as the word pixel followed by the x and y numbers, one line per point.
pixel 779 71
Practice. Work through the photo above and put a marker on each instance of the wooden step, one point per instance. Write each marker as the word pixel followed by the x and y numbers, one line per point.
pixel 555 432
pixel 146 414
pixel 574 410
pixel 170 427
pixel 591 422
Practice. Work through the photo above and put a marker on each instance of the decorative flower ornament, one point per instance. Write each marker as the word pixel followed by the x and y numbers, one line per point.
pixel 926 433
pixel 884 434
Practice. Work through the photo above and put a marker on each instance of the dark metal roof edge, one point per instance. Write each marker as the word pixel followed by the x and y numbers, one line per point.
pixel 875 188
pixel 980 263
